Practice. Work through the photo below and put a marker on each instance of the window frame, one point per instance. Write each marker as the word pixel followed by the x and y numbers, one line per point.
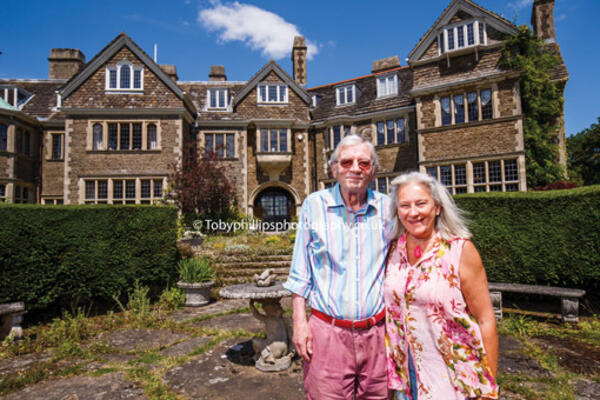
pixel 277 100
pixel 142 143
pixel 210 94
pixel 389 91
pixel 330 136
pixel 448 119
pixel 61 143
pixel 3 137
pixel 345 89
pixel 449 38
pixel 117 68
pixel 126 183
pixel 225 134
pixel 270 130
pixel 386 133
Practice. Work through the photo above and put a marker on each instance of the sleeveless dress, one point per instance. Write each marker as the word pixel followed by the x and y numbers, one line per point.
pixel 428 316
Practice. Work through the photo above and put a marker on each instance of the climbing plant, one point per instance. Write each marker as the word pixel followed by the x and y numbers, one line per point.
pixel 542 103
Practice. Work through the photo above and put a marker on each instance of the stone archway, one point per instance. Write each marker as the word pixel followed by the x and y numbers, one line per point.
pixel 274 205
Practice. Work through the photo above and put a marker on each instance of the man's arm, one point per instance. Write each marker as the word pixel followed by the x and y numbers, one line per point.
pixel 299 282
pixel 302 335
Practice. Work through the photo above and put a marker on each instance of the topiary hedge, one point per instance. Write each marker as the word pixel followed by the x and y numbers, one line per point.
pixel 57 257
pixel 550 238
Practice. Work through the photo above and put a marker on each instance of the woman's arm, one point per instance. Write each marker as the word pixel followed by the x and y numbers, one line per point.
pixel 476 293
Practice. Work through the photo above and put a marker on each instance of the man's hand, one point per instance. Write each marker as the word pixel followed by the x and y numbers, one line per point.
pixel 302 335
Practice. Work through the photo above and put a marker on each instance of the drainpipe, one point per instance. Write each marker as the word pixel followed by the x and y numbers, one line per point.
pixel 313 133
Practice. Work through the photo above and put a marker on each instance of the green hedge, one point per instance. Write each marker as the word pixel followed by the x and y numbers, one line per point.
pixel 59 257
pixel 548 238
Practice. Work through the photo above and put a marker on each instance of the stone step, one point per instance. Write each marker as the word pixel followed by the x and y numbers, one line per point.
pixel 226 281
pixel 252 257
pixel 250 272
pixel 252 264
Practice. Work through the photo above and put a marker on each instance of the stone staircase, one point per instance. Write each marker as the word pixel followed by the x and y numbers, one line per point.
pixel 239 268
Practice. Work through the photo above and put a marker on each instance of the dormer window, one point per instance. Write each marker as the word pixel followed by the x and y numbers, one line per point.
pixel 387 85
pixel 15 96
pixel 272 93
pixel 345 95
pixel 124 76
pixel 217 98
pixel 456 37
pixel 315 100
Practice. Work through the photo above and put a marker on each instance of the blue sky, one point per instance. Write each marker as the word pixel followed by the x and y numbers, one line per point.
pixel 345 37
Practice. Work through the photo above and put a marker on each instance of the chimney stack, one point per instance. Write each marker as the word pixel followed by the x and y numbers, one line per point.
pixel 64 63
pixel 385 63
pixel 542 20
pixel 170 70
pixel 217 73
pixel 299 60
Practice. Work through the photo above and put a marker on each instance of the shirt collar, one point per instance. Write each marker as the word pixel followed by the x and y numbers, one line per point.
pixel 337 200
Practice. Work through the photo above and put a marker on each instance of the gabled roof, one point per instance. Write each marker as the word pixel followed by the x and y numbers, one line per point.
pixel 107 53
pixel 496 21
pixel 272 66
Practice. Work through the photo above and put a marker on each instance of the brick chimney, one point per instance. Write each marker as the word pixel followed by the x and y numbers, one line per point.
pixel 217 73
pixel 385 63
pixel 170 70
pixel 65 63
pixel 299 60
pixel 542 20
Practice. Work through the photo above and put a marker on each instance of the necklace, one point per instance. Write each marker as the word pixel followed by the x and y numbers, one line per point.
pixel 417 251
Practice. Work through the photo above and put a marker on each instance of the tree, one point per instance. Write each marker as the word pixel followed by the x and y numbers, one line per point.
pixel 584 154
pixel 201 187
pixel 542 103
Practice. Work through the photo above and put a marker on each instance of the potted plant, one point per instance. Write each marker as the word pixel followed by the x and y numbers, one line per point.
pixel 196 279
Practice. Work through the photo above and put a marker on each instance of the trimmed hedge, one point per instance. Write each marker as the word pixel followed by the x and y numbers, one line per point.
pixel 550 238
pixel 57 257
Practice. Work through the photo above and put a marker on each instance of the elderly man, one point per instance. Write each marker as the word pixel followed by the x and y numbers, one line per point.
pixel 338 265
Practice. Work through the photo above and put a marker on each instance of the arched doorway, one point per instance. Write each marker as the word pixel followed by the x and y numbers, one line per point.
pixel 274 204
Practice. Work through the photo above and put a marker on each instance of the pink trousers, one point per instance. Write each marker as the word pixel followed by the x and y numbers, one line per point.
pixel 346 361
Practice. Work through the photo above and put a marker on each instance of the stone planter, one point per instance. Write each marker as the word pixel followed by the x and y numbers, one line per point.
pixel 194 242
pixel 196 294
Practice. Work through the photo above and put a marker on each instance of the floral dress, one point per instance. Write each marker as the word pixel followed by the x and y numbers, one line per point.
pixel 427 314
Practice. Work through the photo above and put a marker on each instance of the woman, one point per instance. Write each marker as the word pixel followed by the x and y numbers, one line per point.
pixel 440 329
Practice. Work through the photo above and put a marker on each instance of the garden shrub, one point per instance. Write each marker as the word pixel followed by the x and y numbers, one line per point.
pixel 59 257
pixel 549 238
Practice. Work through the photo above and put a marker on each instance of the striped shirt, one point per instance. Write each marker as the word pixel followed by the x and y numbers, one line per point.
pixel 339 254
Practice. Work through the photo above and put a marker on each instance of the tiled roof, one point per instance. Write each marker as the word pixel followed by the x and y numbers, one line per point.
pixel 366 96
pixel 197 92
pixel 42 102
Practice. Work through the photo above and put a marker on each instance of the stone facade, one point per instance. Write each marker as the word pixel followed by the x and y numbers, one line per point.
pixel 272 136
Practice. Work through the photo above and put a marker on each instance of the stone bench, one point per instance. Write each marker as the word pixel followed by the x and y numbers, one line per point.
pixel 569 297
pixel 11 316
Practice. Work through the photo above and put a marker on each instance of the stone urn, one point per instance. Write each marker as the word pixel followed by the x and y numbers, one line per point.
pixel 196 294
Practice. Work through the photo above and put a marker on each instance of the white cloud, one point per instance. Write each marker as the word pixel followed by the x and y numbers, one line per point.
pixel 520 4
pixel 561 17
pixel 257 28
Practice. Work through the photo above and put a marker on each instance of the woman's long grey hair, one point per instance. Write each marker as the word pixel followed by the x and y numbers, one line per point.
pixel 451 223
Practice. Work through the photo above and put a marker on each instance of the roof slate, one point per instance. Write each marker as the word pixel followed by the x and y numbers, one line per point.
pixel 366 96
pixel 42 102
pixel 197 92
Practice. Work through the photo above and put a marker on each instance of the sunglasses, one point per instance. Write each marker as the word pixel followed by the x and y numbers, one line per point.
pixel 364 165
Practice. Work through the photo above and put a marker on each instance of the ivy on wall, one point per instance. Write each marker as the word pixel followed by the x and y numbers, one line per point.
pixel 542 103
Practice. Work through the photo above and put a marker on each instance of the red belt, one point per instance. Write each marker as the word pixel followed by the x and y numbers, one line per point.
pixel 364 324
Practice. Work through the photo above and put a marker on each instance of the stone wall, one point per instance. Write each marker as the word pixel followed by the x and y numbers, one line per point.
pixel 82 163
pixel 480 139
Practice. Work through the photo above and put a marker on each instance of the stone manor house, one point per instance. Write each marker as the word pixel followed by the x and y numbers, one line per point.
pixel 109 130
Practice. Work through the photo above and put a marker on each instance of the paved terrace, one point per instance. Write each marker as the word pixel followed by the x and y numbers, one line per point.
pixel 204 353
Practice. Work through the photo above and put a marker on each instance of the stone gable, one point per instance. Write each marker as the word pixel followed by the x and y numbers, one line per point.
pixel 93 94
